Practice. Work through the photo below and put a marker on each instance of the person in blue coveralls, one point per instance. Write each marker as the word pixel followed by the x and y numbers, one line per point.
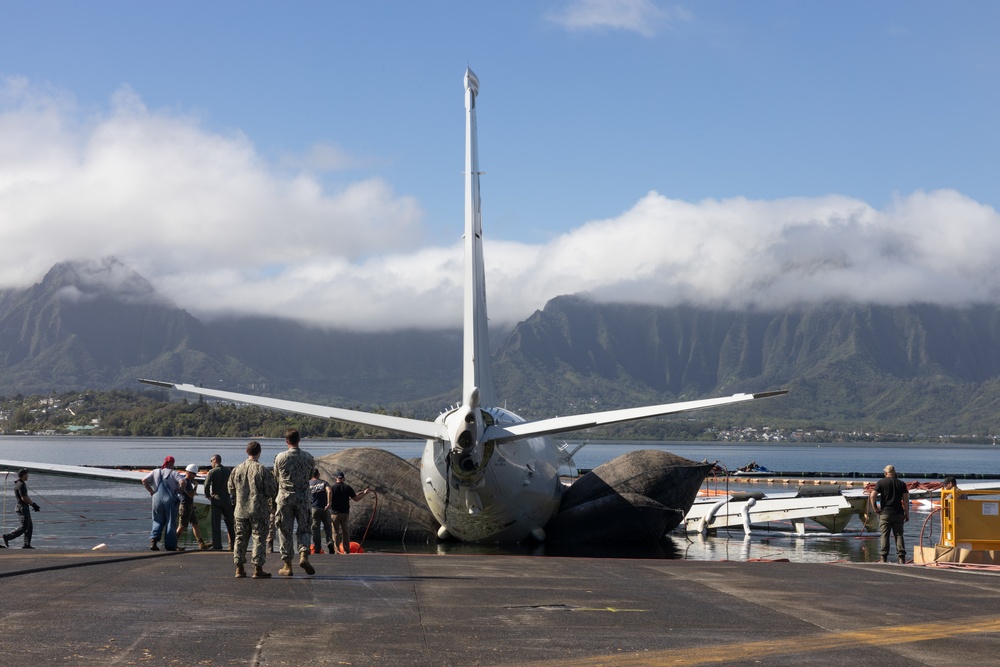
pixel 163 485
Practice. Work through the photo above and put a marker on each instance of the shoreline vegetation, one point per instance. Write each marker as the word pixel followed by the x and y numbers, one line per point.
pixel 151 413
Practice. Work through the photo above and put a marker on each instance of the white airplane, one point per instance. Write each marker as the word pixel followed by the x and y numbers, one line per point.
pixel 488 475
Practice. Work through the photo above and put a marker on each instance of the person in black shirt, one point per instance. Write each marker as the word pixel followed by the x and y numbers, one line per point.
pixel 319 495
pixel 341 496
pixel 891 501
pixel 189 486
pixel 23 509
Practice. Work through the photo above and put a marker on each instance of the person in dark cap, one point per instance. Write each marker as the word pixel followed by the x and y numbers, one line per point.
pixel 23 509
pixel 891 500
pixel 319 498
pixel 341 496
pixel 163 485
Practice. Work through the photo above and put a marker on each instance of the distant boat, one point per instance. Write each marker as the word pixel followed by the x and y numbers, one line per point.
pixel 752 468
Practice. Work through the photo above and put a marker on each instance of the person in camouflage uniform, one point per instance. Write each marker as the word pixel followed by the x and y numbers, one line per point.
pixel 253 487
pixel 292 468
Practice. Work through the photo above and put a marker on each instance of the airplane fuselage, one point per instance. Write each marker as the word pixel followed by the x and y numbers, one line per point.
pixel 492 492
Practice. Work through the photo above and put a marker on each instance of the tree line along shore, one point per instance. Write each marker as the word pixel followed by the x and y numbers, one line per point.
pixel 152 413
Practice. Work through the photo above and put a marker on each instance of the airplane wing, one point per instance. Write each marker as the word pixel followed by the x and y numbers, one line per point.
pixel 577 422
pixel 403 425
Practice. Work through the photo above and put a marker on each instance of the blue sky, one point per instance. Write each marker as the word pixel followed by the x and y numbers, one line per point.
pixel 305 158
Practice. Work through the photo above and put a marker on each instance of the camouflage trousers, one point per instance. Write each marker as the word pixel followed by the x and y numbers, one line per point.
pixel 257 526
pixel 293 513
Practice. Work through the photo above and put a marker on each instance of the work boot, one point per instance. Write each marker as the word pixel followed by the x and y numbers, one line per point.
pixel 259 573
pixel 152 545
pixel 240 572
pixel 286 569
pixel 305 564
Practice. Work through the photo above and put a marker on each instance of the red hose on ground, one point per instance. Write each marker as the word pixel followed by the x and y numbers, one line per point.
pixel 924 525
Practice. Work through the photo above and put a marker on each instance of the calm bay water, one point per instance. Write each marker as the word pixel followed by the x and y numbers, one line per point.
pixel 79 514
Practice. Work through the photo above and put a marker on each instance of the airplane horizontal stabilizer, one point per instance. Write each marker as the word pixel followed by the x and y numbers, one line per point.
pixel 89 472
pixel 402 425
pixel 84 472
pixel 578 422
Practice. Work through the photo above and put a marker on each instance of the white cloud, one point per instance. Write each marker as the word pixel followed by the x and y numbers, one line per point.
pixel 170 198
pixel 939 247
pixel 322 157
pixel 641 16
pixel 215 228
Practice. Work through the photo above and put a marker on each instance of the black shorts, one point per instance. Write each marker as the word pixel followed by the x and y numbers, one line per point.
pixel 187 516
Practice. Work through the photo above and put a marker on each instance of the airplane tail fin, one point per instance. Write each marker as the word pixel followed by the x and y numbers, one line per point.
pixel 477 374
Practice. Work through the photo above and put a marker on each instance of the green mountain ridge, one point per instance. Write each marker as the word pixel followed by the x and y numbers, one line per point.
pixel 908 368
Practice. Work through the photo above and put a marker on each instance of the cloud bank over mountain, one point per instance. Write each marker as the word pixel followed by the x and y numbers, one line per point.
pixel 215 227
